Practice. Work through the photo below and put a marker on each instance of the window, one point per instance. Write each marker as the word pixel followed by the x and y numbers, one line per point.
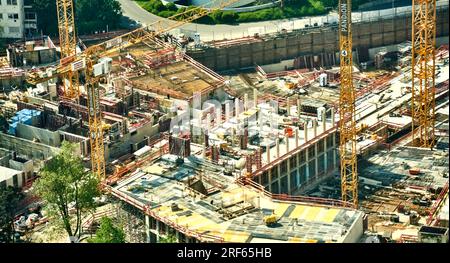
pixel 14 29
pixel 13 16
pixel 11 2
pixel 30 16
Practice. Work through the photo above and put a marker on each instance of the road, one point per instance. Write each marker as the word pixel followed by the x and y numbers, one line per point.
pixel 218 32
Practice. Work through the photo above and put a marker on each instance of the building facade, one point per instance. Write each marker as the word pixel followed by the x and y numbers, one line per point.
pixel 17 19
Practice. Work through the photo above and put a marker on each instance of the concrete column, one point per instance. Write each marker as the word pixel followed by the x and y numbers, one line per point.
pixel 268 153
pixel 227 111
pixel 325 154
pixel 208 122
pixel 307 163
pixel 236 106
pixel 278 147
pixel 315 127
pixel 336 151
pixel 219 116
pixel 332 117
pixel 289 175
pixel 279 177
pixel 232 137
pixel 147 228
pixel 204 150
pixel 316 161
pixel 288 106
pixel 306 131
pixel 245 101
pixel 296 138
pixel 255 98
pixel 287 142
pixel 299 107
pixel 324 121
pixel 269 173
pixel 157 231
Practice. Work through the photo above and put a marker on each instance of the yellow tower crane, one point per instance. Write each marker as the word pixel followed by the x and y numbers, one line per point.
pixel 423 71
pixel 347 126
pixel 68 45
pixel 94 61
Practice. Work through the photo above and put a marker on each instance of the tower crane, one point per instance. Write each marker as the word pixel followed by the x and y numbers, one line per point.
pixel 68 45
pixel 423 71
pixel 94 61
pixel 347 125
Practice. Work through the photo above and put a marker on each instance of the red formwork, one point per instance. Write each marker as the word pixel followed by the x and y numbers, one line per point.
pixel 431 220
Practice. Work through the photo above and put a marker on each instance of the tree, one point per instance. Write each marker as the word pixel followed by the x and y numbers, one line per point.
pixel 64 182
pixel 105 13
pixel 9 199
pixel 108 233
pixel 90 15
pixel 169 239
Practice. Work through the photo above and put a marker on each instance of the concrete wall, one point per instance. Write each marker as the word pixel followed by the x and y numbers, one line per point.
pixel 28 148
pixel 356 231
pixel 43 135
pixel 366 35
pixel 124 146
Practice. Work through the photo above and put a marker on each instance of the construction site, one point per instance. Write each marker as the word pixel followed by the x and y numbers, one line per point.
pixel 321 148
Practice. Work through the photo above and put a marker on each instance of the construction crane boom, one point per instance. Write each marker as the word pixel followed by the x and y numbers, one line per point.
pixel 347 126
pixel 423 71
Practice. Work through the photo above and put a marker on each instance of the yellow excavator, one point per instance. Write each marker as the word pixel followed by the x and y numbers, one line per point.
pixel 270 220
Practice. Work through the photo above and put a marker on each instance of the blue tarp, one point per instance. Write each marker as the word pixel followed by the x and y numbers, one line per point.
pixel 25 116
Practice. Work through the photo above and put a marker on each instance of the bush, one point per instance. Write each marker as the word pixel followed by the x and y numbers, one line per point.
pixel 292 8
pixel 166 13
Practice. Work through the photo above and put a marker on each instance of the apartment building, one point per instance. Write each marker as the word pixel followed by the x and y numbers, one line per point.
pixel 17 19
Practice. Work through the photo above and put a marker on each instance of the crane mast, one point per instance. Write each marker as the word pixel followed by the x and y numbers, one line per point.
pixel 68 44
pixel 423 71
pixel 347 126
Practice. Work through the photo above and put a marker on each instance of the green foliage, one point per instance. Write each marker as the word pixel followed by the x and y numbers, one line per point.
pixel 90 15
pixel 9 199
pixel 169 239
pixel 291 9
pixel 64 181
pixel 108 233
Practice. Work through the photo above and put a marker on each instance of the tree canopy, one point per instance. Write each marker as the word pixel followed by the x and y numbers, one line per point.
pixel 108 232
pixel 9 199
pixel 67 188
pixel 90 15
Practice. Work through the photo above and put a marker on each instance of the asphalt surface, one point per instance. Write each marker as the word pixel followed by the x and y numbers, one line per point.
pixel 218 32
